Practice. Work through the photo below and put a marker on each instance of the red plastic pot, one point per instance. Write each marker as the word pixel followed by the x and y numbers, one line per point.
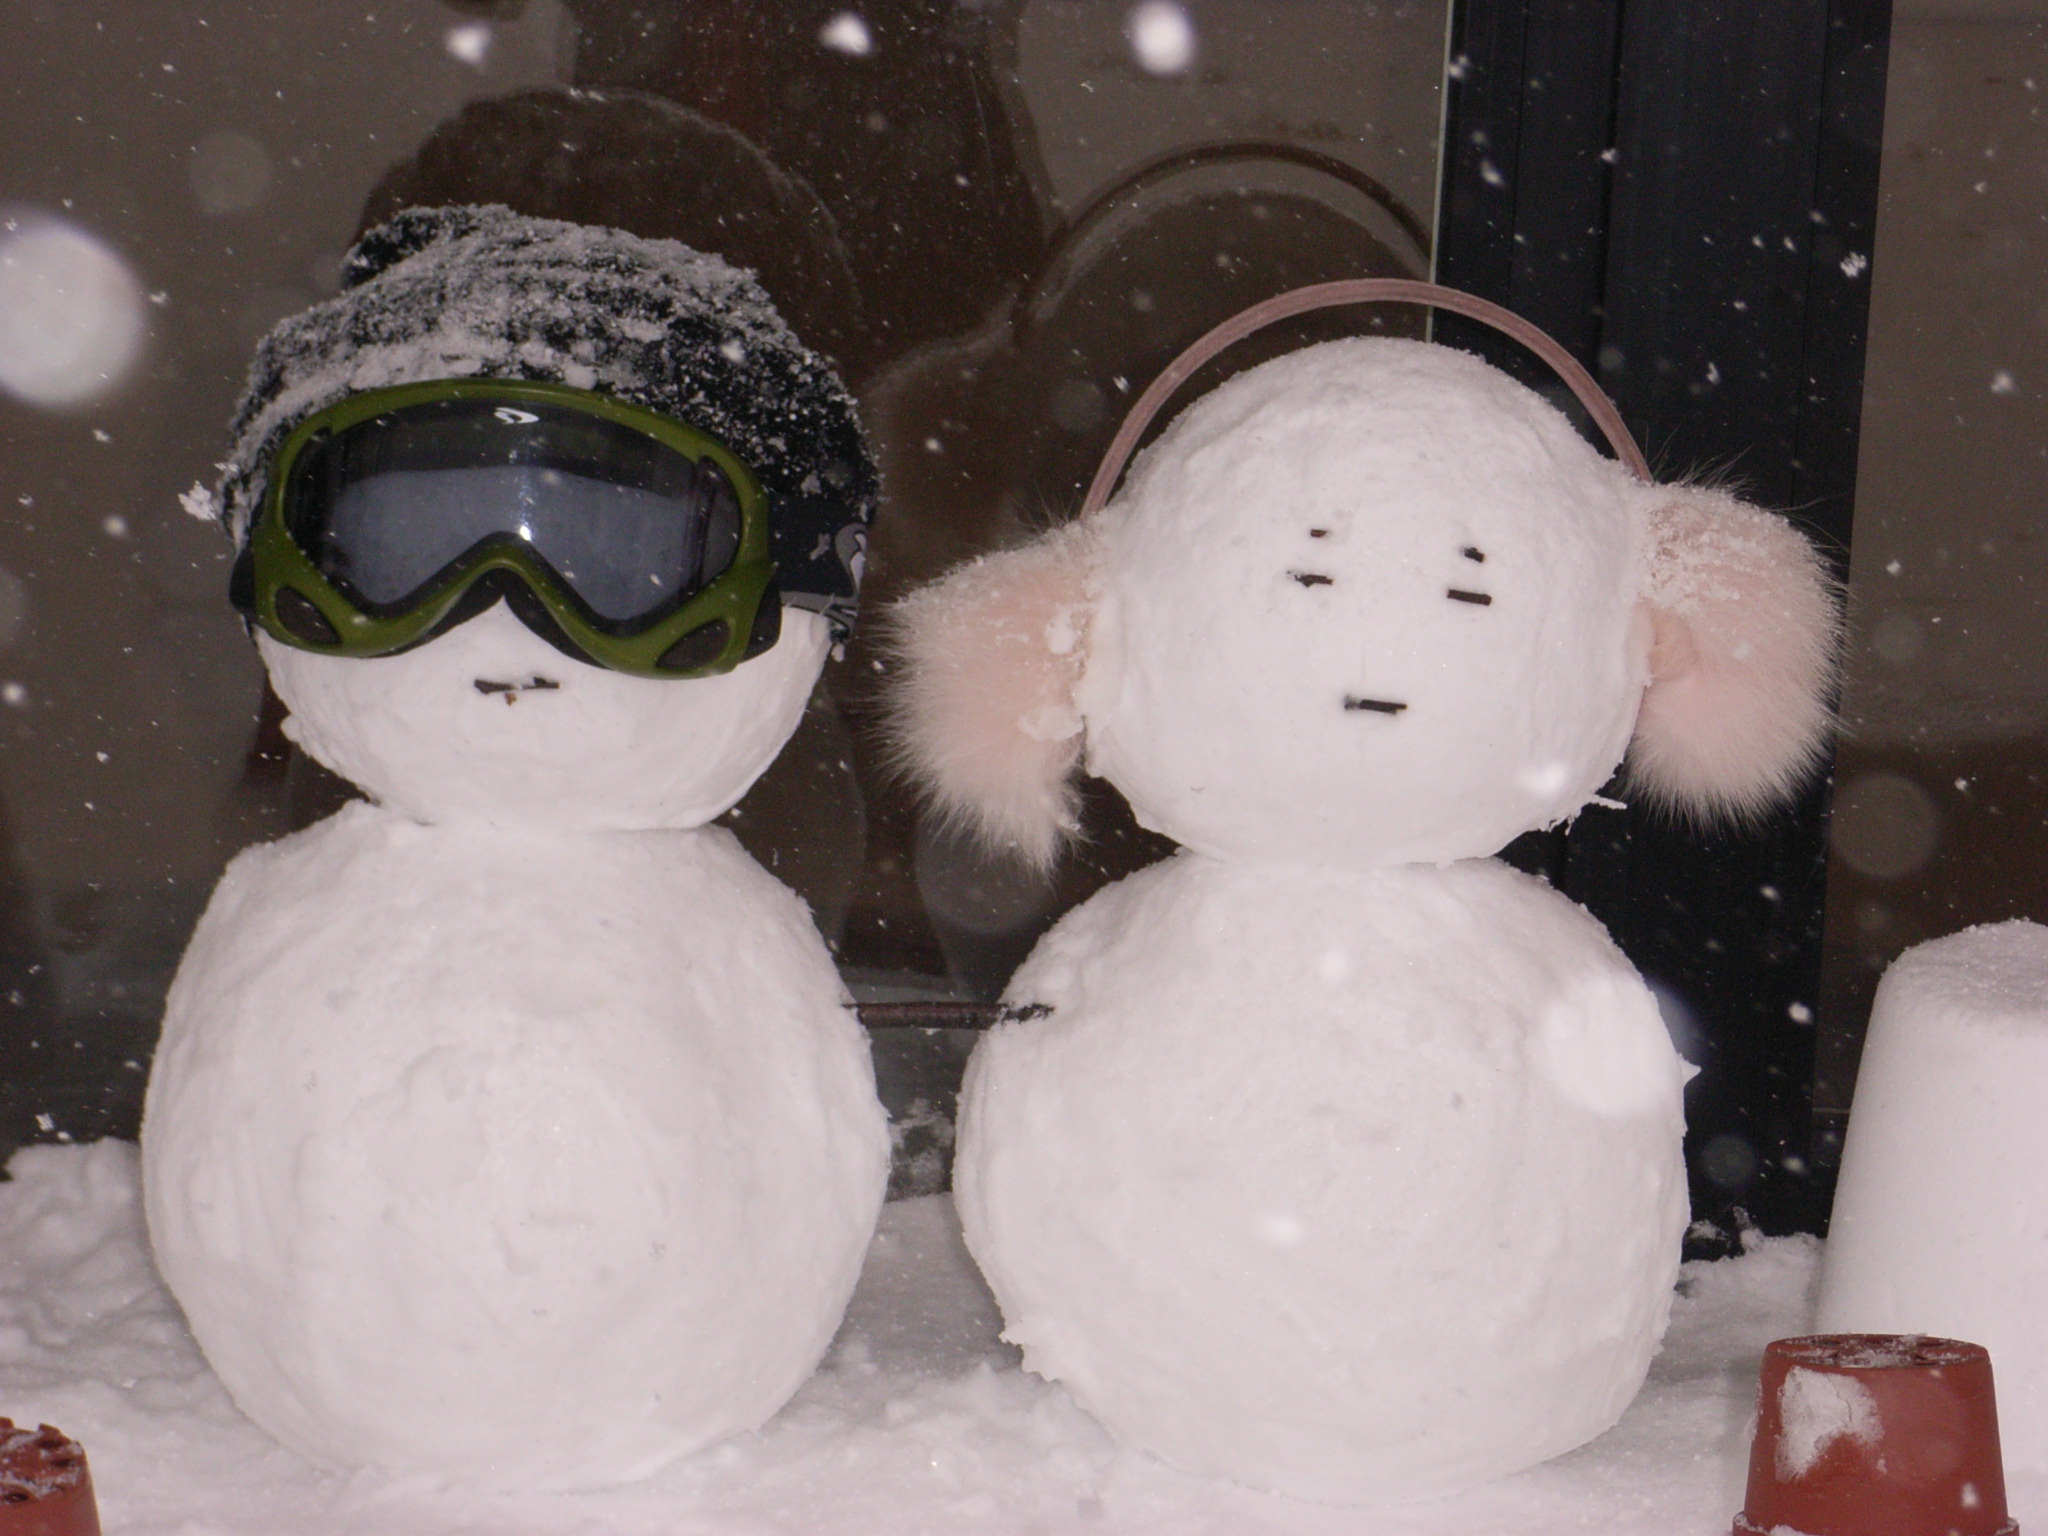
pixel 45 1485
pixel 1875 1434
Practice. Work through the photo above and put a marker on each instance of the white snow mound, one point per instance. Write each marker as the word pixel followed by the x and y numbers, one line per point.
pixel 1941 1217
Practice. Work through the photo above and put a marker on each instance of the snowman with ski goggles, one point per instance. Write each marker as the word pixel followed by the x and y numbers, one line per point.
pixel 514 1125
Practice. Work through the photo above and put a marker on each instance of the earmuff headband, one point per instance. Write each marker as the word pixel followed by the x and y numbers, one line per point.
pixel 1362 290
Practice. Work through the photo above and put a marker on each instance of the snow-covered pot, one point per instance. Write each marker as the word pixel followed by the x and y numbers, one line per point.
pixel 1332 1155
pixel 45 1484
pixel 515 1125
pixel 1875 1434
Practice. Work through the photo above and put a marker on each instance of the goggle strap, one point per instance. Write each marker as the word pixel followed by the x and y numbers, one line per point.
pixel 242 581
pixel 767 622
pixel 803 534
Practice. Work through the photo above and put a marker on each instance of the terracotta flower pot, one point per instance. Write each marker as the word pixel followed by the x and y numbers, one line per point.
pixel 1875 1434
pixel 45 1485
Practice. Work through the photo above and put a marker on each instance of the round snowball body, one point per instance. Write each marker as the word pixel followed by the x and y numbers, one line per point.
pixel 491 723
pixel 1359 1187
pixel 1940 1221
pixel 528 1160
pixel 1369 603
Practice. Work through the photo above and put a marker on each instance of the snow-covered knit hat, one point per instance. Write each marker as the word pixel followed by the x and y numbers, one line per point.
pixel 483 292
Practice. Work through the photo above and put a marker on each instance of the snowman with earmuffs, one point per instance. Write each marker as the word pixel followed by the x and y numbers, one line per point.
pixel 514 1126
pixel 1331 1154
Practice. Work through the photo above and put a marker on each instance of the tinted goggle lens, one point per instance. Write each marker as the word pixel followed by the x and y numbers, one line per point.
pixel 633 541
pixel 630 525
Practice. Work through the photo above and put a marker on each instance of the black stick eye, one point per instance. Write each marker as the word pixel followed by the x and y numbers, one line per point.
pixel 1474 554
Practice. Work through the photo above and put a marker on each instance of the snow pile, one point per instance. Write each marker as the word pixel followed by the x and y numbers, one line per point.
pixel 920 1421
pixel 1941 1219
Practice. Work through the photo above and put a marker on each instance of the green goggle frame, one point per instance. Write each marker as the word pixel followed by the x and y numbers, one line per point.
pixel 710 630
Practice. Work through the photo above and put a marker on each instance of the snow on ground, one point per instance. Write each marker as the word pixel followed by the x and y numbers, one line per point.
pixel 920 1423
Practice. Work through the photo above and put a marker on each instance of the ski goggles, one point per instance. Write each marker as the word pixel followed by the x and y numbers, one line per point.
pixel 623 537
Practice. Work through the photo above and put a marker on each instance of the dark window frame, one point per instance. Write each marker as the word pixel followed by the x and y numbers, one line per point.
pixel 1665 185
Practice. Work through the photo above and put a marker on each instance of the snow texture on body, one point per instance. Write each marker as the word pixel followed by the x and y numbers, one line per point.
pixel 1941 1216
pixel 919 1421
pixel 553 1183
pixel 1331 1155
pixel 491 723
pixel 1463 1198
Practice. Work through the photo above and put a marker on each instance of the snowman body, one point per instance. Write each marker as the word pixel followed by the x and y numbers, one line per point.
pixel 1306 1178
pixel 515 1127
pixel 1332 1155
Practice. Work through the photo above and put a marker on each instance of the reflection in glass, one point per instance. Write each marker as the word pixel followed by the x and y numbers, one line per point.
pixel 1941 811
pixel 1000 219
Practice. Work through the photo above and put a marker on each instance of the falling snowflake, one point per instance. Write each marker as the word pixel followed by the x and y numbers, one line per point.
pixel 847 33
pixel 471 43
pixel 71 325
pixel 1162 37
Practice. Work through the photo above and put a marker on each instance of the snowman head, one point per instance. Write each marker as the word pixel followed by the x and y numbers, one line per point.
pixel 544 524
pixel 1371 603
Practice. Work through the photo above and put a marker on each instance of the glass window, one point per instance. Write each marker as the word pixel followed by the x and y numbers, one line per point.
pixel 999 218
pixel 1941 788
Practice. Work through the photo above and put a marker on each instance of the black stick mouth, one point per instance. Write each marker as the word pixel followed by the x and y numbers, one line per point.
pixel 1374 706
pixel 535 684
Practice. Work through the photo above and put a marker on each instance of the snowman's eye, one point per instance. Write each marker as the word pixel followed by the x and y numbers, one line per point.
pixel 1313 578
pixel 1481 598
pixel 1478 556
pixel 1319 533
